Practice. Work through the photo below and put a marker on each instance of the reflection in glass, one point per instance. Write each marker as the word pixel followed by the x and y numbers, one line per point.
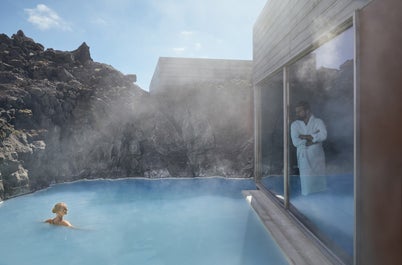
pixel 272 134
pixel 308 133
pixel 321 142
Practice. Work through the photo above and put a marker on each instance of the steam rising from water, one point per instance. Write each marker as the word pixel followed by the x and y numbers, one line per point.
pixel 191 128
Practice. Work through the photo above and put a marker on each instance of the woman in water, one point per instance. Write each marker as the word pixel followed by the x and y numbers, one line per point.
pixel 60 209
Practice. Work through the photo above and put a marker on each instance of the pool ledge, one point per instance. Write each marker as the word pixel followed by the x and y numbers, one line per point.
pixel 298 247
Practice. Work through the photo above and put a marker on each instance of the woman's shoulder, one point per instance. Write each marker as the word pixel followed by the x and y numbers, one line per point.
pixel 63 222
pixel 50 221
pixel 66 223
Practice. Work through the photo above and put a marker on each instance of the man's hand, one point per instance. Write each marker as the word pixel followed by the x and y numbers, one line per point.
pixel 308 138
pixel 308 143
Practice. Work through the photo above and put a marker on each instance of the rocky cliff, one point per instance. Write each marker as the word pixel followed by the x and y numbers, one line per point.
pixel 65 117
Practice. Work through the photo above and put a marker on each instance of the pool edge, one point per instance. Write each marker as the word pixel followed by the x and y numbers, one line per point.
pixel 297 247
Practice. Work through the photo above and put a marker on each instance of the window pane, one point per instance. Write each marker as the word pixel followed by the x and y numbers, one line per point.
pixel 321 142
pixel 272 134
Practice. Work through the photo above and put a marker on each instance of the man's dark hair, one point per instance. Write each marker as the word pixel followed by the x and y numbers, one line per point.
pixel 304 104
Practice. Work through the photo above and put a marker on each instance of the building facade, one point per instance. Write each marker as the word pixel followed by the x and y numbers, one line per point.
pixel 343 58
pixel 180 73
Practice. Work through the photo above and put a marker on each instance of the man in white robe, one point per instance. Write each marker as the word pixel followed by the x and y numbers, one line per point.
pixel 308 133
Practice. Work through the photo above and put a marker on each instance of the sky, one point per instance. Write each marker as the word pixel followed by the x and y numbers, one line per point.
pixel 131 35
pixel 336 51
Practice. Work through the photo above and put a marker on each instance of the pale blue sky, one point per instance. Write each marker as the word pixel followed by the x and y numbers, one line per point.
pixel 131 35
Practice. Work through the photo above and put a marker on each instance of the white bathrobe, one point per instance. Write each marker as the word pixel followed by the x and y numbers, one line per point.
pixel 310 159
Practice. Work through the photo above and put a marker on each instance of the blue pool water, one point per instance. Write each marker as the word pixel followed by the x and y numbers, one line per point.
pixel 138 221
pixel 332 211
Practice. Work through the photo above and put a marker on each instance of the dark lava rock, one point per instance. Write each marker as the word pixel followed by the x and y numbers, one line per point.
pixel 65 117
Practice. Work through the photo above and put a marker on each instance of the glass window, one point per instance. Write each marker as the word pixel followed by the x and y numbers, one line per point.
pixel 272 134
pixel 321 97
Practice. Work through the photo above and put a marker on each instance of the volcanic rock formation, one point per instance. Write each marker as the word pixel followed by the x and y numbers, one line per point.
pixel 65 117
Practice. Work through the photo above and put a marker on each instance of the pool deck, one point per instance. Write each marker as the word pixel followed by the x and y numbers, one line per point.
pixel 297 244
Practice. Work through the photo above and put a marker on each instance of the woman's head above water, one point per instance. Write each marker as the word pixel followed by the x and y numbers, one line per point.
pixel 60 209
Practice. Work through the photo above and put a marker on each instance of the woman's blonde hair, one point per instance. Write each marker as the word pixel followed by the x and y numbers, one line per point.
pixel 58 206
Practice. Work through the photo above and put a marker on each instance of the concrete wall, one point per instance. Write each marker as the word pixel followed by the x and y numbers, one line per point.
pixel 285 28
pixel 173 72
pixel 379 168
